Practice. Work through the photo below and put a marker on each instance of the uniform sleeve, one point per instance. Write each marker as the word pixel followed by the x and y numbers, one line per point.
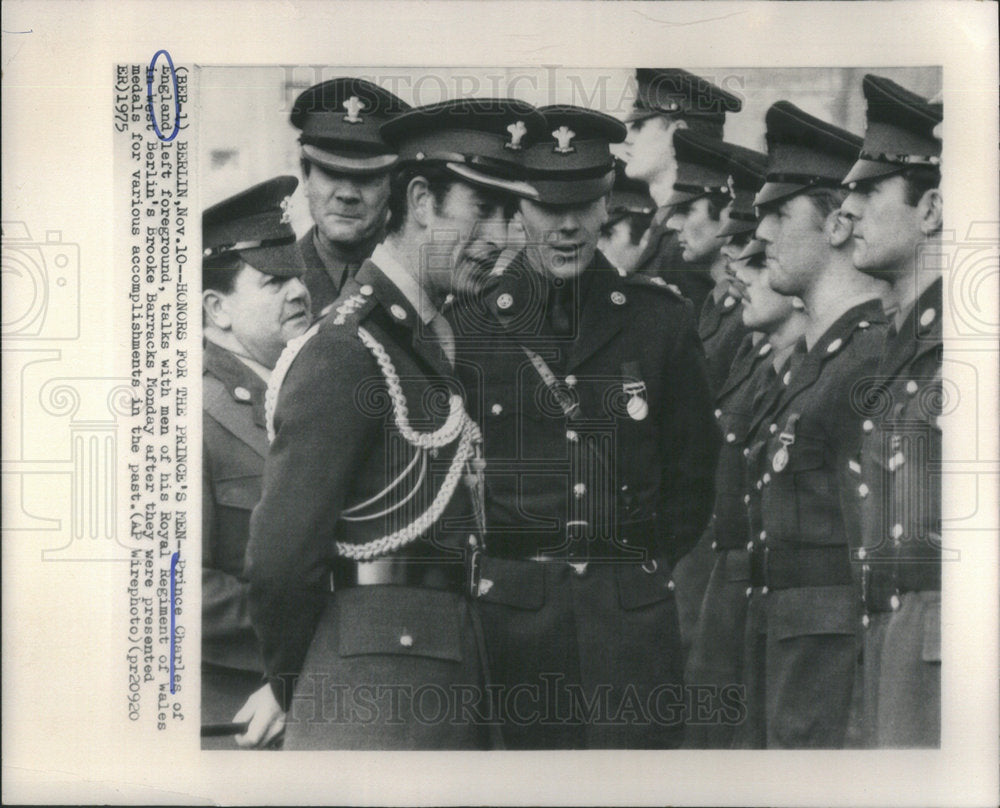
pixel 692 442
pixel 321 435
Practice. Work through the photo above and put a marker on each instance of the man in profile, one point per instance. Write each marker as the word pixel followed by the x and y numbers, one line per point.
pixel 668 99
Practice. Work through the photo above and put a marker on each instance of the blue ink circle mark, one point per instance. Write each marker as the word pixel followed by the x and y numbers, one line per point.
pixel 149 96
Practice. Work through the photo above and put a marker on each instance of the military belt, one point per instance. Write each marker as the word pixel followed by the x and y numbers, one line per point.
pixel 886 581
pixel 632 542
pixel 786 568
pixel 426 574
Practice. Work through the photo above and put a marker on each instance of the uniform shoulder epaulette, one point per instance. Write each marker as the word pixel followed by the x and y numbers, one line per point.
pixel 656 282
pixel 352 306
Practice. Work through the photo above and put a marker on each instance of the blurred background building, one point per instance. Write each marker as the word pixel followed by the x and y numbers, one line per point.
pixel 245 136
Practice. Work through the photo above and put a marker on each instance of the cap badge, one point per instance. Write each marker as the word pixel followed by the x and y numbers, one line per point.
pixel 286 210
pixel 353 105
pixel 636 407
pixel 517 131
pixel 563 136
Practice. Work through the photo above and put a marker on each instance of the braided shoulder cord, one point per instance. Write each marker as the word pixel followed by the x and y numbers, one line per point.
pixel 458 425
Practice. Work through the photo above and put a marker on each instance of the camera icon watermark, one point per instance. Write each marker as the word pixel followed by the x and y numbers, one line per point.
pixel 41 285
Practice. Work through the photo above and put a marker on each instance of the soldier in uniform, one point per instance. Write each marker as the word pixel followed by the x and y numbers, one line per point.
pixel 630 212
pixel 896 208
pixel 249 316
pixel 715 662
pixel 345 173
pixel 357 580
pixel 668 99
pixel 700 206
pixel 802 651
pixel 600 446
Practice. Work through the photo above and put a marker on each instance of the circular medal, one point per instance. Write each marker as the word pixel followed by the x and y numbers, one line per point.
pixel 637 408
pixel 780 459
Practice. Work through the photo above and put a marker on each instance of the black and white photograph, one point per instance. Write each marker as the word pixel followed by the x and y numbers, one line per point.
pixel 606 387
pixel 677 399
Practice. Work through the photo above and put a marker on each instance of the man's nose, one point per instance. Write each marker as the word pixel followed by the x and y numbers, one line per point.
pixel 853 206
pixel 675 222
pixel 296 289
pixel 347 189
pixel 766 228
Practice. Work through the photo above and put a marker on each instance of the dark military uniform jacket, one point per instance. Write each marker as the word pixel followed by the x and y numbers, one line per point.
pixel 721 329
pixel 235 445
pixel 661 257
pixel 810 512
pixel 900 486
pixel 324 281
pixel 340 474
pixel 744 392
pixel 632 469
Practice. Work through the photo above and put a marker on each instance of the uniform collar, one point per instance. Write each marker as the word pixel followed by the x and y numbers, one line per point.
pixel 919 332
pixel 243 385
pixel 420 302
pixel 335 260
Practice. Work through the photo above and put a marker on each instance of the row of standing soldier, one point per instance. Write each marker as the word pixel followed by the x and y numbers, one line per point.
pixel 563 576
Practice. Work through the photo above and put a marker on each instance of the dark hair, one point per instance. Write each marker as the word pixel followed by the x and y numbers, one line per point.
pixel 826 200
pixel 919 180
pixel 716 204
pixel 219 273
pixel 305 166
pixel 696 124
pixel 438 181
pixel 638 224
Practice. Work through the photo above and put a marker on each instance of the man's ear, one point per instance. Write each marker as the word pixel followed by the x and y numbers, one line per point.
pixel 420 201
pixel 213 303
pixel 930 208
pixel 838 229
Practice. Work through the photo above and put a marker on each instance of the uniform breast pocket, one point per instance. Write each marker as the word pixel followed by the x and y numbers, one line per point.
pixel 816 502
pixel 799 500
pixel 239 492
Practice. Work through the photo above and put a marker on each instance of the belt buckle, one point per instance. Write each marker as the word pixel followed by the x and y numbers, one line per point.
pixel 575 536
pixel 475 573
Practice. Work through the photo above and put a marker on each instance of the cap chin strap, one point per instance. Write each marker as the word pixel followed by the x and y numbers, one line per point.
pixel 237 246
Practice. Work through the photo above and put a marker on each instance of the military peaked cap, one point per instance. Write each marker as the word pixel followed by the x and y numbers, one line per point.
pixel 253 224
pixel 570 162
pixel 703 166
pixel 480 140
pixel 746 176
pixel 899 133
pixel 340 121
pixel 670 90
pixel 803 152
